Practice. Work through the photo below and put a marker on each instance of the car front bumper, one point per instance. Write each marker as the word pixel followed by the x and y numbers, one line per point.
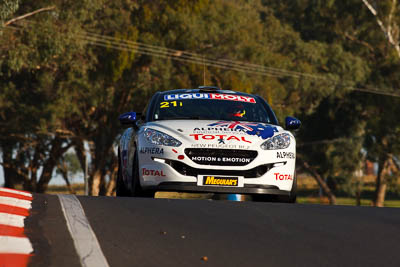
pixel 193 187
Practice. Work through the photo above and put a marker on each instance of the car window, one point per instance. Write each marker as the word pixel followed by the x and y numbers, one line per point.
pixel 207 106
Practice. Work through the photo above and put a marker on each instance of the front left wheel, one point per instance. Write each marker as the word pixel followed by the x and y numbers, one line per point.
pixel 121 189
pixel 137 190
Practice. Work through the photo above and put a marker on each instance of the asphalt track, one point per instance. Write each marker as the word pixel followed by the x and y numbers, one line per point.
pixel 178 232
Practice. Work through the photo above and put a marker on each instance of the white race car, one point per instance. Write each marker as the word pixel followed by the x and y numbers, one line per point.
pixel 207 140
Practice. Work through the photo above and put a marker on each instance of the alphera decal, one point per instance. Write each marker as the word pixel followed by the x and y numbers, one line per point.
pixel 214 130
pixel 285 155
pixel 213 96
pixel 151 150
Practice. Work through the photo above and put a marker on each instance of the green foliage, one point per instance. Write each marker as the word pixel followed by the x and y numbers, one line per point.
pixel 7 9
pixel 40 64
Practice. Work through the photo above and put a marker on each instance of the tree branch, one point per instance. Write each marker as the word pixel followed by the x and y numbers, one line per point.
pixel 319 179
pixel 387 31
pixel 28 15
pixel 354 39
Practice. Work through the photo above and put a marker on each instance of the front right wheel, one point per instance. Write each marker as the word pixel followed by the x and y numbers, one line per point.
pixel 293 193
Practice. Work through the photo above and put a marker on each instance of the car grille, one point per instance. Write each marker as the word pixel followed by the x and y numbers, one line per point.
pixel 221 157
pixel 186 170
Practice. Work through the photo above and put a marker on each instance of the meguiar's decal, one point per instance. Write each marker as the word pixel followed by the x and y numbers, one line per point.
pixel 262 130
pixel 214 96
pixel 221 181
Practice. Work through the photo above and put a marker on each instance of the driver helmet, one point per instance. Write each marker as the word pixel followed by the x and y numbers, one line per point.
pixel 236 111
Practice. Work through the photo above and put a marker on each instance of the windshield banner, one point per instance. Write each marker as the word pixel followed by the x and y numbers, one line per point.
pixel 214 96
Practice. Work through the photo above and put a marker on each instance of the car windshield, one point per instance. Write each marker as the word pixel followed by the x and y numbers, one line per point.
pixel 211 106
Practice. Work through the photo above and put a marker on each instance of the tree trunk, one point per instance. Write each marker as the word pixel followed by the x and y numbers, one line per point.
pixel 113 178
pixel 95 182
pixel 380 194
pixel 381 183
pixel 64 172
pixel 101 150
pixel 48 167
pixel 65 176
pixel 12 175
pixel 359 183
pixel 358 198
pixel 34 165
pixel 80 153
pixel 320 181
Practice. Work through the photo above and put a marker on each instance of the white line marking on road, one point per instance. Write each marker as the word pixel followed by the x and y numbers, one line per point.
pixel 86 243
pixel 15 192
pixel 12 219
pixel 17 245
pixel 20 203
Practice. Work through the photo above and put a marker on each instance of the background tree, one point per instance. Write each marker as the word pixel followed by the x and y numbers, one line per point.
pixel 351 25
pixel 41 61
pixel 68 164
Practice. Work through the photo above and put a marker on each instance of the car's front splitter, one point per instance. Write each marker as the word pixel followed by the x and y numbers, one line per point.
pixel 193 187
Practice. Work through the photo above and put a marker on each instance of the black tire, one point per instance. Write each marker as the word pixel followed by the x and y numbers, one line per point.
pixel 264 198
pixel 293 193
pixel 137 190
pixel 121 189
pixel 276 198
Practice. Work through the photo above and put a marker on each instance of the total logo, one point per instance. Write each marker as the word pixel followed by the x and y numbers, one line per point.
pixel 219 137
pixel 282 177
pixel 147 172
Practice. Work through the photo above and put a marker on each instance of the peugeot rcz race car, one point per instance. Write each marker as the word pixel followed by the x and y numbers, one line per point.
pixel 207 140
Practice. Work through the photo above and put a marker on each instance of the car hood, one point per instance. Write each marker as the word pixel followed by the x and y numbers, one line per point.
pixel 223 134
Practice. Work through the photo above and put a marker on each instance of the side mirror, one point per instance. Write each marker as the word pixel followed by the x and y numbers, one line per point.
pixel 292 123
pixel 127 118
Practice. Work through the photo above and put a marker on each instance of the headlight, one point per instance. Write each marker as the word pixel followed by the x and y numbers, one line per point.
pixel 280 141
pixel 159 138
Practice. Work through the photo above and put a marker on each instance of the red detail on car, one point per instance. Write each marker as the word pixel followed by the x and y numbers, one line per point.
pixel 282 177
pixel 221 136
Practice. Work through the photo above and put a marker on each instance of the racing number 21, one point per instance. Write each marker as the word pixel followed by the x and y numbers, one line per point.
pixel 173 104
